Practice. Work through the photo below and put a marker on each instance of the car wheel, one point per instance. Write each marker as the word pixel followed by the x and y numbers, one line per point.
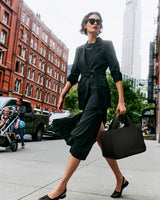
pixel 38 135
pixel 14 145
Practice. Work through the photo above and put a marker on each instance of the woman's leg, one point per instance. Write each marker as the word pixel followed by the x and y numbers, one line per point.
pixel 20 132
pixel 112 163
pixel 71 167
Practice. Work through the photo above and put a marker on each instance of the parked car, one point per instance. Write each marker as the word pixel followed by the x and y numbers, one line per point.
pixel 51 131
pixel 36 124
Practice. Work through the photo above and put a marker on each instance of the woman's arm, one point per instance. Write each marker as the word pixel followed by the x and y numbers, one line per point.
pixel 65 90
pixel 121 105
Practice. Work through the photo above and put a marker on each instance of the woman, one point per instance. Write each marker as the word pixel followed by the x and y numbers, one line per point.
pixel 20 110
pixel 91 62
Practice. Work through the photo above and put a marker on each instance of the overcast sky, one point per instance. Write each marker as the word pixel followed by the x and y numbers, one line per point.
pixel 64 17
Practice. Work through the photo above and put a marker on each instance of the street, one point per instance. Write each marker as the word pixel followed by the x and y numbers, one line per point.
pixel 34 171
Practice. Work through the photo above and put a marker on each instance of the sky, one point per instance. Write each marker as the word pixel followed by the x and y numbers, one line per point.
pixel 63 18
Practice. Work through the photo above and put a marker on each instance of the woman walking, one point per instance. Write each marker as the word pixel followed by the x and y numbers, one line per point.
pixel 20 110
pixel 91 62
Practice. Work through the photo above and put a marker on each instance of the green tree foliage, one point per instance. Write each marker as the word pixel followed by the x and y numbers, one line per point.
pixel 135 101
pixel 71 101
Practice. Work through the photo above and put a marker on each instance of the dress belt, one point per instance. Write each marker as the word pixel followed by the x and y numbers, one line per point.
pixel 91 74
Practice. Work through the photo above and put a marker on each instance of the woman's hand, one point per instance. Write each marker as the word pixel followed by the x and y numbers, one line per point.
pixel 60 104
pixel 121 108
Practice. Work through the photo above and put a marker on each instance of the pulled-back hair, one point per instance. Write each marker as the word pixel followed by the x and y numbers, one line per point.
pixel 84 21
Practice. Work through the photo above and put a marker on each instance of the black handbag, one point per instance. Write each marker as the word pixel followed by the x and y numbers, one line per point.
pixel 120 142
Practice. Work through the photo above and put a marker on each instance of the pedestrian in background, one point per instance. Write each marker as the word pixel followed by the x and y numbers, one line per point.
pixel 20 110
pixel 91 62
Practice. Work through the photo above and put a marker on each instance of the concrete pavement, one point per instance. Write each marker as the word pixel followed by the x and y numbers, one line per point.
pixel 33 172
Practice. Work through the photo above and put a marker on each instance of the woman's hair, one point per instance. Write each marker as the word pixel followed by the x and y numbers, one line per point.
pixel 84 21
pixel 21 100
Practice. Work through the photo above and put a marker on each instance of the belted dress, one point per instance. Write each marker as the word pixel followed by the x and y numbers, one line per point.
pixel 89 70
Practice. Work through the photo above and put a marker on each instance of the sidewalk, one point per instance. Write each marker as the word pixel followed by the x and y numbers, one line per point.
pixel 33 172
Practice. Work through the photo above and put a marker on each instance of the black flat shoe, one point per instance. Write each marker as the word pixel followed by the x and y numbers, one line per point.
pixel 61 196
pixel 119 194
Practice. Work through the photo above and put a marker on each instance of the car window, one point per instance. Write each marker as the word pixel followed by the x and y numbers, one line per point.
pixel 11 102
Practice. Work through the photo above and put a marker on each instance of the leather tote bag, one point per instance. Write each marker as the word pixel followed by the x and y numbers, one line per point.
pixel 120 142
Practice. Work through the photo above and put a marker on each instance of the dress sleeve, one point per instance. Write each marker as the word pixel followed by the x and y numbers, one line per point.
pixel 113 62
pixel 75 72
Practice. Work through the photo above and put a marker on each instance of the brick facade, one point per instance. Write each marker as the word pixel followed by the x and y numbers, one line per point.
pixel 35 64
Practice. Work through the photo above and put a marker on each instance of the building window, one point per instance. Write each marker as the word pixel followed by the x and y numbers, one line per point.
pixel 53 45
pixel 42 80
pixel 49 56
pixel 41 50
pixel 34 26
pixel 51 72
pixel 48 97
pixel 38 78
pixel 25 37
pixel 43 65
pixel 46 38
pixel 29 73
pixel 31 91
pixel 50 82
pixel 27 88
pixel 58 64
pixel 17 66
pixel 47 82
pixel 50 43
pixel 48 69
pixel 55 100
pixel 23 16
pixel 54 86
pixel 40 63
pixel 52 58
pixel 43 35
pixel 3 36
pixel 28 18
pixel 37 30
pixel 37 91
pixel 34 59
pixel 55 74
pixel 9 2
pixel 45 96
pixel 23 52
pixel 44 52
pixel 22 68
pixel 32 42
pixel 1 56
pixel 32 75
pixel 64 68
pixel 5 17
pixel 40 94
pixel 60 51
pixel 17 85
pixel 35 46
pixel 30 58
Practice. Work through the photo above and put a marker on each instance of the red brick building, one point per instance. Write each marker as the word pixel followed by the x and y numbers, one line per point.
pixel 33 61
pixel 157 71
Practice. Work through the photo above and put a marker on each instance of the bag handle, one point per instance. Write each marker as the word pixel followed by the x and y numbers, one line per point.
pixel 114 124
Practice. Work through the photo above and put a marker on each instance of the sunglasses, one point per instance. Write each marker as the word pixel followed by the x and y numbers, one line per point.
pixel 92 21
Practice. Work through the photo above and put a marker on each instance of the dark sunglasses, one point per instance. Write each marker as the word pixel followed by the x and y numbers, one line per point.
pixel 92 21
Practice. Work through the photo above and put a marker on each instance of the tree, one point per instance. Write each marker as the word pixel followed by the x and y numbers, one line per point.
pixel 135 102
pixel 71 100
